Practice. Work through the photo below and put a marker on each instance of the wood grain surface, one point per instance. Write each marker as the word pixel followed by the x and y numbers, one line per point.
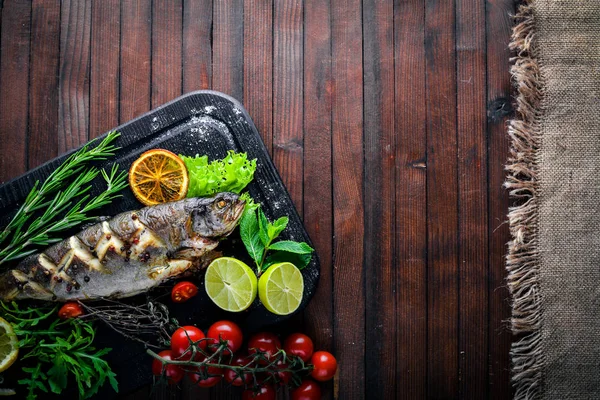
pixel 386 120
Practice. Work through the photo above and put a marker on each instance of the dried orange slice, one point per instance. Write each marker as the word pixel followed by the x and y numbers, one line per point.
pixel 158 176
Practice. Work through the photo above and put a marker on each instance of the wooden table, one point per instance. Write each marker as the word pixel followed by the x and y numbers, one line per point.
pixel 385 119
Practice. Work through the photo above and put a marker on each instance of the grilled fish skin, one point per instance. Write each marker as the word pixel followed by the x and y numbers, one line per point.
pixel 127 254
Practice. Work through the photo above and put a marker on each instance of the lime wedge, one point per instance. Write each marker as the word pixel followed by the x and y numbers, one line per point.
pixel 9 345
pixel 280 288
pixel 230 284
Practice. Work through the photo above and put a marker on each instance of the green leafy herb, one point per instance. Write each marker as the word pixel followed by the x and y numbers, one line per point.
pixel 299 260
pixel 250 233
pixel 64 197
pixel 35 381
pixel 231 174
pixel 258 236
pixel 292 247
pixel 62 349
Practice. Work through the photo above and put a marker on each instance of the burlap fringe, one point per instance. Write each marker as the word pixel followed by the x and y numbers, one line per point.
pixel 523 256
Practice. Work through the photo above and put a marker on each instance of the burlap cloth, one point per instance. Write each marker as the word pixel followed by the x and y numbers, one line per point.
pixel 554 257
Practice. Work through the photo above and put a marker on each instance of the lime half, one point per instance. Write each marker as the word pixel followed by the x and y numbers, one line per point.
pixel 9 345
pixel 280 288
pixel 230 284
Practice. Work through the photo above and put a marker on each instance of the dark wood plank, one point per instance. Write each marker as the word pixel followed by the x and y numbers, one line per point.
pixel 411 200
pixel 197 50
pixel 228 77
pixel 348 213
pixel 43 82
pixel 442 216
pixel 136 31
pixel 472 197
pixel 74 73
pixel 499 24
pixel 104 75
pixel 228 44
pixel 318 201
pixel 379 189
pixel 258 66
pixel 288 135
pixel 14 83
pixel 166 50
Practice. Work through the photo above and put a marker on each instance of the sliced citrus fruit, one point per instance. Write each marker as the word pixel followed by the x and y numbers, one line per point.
pixel 158 176
pixel 230 284
pixel 280 288
pixel 9 345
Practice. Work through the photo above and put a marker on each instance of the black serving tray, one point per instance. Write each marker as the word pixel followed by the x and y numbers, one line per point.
pixel 203 122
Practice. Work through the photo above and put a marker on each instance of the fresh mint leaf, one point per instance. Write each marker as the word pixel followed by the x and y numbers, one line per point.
pixel 249 232
pixel 292 247
pixel 264 226
pixel 299 260
pixel 277 227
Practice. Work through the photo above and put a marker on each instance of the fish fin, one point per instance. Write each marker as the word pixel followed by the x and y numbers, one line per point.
pixel 203 262
pixel 189 253
pixel 174 268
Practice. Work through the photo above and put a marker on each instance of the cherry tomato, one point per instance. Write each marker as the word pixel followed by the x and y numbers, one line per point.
pixel 204 383
pixel 299 345
pixel 267 392
pixel 71 309
pixel 180 341
pixel 325 366
pixel 173 373
pixel 308 390
pixel 209 381
pixel 183 291
pixel 225 330
pixel 283 376
pixel 265 342
pixel 235 379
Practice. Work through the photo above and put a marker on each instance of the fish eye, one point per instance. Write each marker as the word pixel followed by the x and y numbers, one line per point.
pixel 221 204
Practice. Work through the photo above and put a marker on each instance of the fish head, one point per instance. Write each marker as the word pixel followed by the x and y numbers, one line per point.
pixel 216 216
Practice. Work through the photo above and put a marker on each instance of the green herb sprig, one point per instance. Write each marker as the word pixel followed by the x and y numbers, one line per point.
pixel 258 235
pixel 61 350
pixel 65 198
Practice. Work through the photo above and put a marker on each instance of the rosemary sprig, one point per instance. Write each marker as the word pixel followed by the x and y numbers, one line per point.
pixel 58 200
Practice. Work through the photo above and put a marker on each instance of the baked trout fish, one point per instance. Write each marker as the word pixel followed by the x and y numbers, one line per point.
pixel 127 254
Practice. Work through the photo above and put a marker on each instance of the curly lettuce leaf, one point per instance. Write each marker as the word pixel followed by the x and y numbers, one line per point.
pixel 231 174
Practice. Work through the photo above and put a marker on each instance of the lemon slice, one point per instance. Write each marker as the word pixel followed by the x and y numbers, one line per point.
pixel 280 288
pixel 9 345
pixel 230 284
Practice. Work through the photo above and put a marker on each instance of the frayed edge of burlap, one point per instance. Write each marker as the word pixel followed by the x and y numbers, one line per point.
pixel 522 182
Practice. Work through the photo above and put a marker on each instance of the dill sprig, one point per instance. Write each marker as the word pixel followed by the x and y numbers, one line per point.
pixel 65 198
